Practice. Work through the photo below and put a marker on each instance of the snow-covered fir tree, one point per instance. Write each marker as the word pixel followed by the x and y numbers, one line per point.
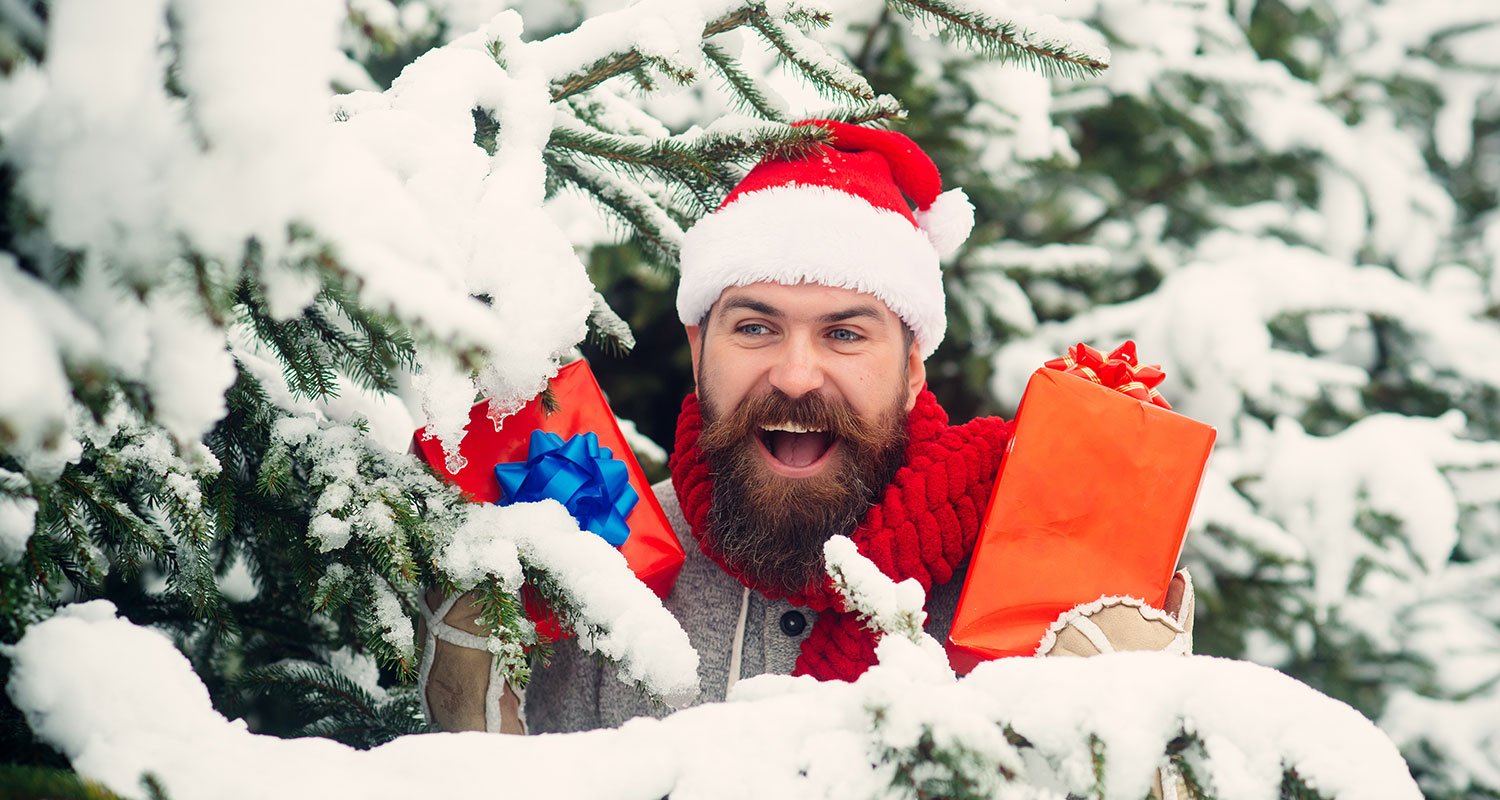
pixel 232 283
pixel 1292 206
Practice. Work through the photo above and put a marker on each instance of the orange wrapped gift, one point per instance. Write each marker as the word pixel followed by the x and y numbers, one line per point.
pixel 1092 499
pixel 651 548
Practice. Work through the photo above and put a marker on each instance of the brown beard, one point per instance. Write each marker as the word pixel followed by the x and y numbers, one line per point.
pixel 771 527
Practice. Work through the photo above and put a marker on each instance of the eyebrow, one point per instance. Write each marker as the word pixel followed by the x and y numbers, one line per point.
pixel 752 305
pixel 860 311
pixel 850 313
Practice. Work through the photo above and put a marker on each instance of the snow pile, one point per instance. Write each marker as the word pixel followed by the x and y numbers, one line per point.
pixel 611 611
pixel 120 701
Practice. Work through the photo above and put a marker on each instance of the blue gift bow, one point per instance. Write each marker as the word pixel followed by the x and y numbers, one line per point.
pixel 587 479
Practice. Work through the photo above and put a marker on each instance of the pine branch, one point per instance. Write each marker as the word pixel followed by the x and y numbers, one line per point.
pixel 550 404
pixel 28 28
pixel 48 562
pixel 607 329
pixel 632 60
pixel 744 90
pixel 14 485
pixel 1096 757
pixel 373 637
pixel 667 157
pixel 652 227
pixel 332 705
pixel 882 108
pixel 39 783
pixel 320 690
pixel 827 74
pixel 512 636
pixel 1001 39
pixel 117 525
pixel 748 145
pixel 334 590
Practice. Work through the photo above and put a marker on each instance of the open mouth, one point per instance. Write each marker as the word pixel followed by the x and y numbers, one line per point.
pixel 795 448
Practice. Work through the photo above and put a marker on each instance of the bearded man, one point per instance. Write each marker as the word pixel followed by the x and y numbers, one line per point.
pixel 811 299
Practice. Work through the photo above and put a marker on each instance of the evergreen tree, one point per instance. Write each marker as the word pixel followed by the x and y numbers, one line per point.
pixel 218 305
pixel 1292 206
pixel 216 294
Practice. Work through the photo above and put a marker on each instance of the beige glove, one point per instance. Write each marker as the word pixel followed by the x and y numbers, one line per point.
pixel 1116 624
pixel 460 690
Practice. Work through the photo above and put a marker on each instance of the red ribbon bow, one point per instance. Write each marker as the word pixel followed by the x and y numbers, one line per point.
pixel 1119 371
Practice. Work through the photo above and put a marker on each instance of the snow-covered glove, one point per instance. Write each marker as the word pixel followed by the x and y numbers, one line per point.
pixel 1115 624
pixel 459 688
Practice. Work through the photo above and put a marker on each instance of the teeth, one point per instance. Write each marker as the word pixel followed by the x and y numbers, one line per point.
pixel 790 428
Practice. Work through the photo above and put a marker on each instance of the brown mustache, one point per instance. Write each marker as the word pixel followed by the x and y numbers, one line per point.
pixel 809 411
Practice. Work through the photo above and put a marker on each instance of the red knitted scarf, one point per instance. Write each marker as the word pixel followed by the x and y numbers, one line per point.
pixel 923 527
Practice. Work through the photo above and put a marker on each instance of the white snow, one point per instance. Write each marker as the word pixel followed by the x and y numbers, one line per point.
pixel 479 549
pixel 417 219
pixel 17 518
pixel 361 668
pixel 119 701
pixel 390 615
pixel 38 331
pixel 885 606
pixel 236 583
pixel 615 614
pixel 330 532
pixel 1042 29
pixel 644 447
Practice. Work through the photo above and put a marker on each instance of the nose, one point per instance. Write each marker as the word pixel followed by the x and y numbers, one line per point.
pixel 799 370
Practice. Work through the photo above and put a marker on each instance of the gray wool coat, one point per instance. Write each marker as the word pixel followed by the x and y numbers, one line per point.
pixel 576 692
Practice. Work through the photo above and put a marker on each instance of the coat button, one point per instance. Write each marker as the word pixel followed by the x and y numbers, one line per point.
pixel 793 623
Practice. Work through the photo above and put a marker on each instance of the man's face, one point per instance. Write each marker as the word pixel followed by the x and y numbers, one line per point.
pixel 805 391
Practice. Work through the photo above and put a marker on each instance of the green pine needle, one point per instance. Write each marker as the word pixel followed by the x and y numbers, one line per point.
pixel 998 38
pixel 40 783
pixel 828 75
pixel 744 90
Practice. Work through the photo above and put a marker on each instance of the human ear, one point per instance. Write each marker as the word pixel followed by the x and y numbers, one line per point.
pixel 916 377
pixel 695 346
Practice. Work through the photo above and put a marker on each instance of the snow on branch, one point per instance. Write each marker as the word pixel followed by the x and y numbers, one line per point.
pixel 1223 351
pixel 1003 29
pixel 119 701
pixel 823 70
pixel 666 34
pixel 887 607
pixel 586 582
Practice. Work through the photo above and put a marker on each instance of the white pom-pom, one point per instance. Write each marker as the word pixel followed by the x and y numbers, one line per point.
pixel 948 221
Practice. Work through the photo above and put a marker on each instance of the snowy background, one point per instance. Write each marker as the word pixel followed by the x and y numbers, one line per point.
pixel 247 251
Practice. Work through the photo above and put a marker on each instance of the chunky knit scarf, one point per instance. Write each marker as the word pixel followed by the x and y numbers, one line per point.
pixel 923 527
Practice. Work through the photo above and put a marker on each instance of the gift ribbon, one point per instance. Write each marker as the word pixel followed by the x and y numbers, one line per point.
pixel 1119 371
pixel 587 479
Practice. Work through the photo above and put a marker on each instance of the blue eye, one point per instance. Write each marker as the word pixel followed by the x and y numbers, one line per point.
pixel 753 329
pixel 845 335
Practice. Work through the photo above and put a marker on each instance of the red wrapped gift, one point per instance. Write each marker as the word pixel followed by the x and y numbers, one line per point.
pixel 651 550
pixel 1092 499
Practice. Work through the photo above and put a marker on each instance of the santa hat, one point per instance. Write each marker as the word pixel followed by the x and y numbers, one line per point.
pixel 836 217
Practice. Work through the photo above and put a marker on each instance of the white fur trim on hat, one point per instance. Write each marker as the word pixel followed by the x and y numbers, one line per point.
pixel 948 221
pixel 794 234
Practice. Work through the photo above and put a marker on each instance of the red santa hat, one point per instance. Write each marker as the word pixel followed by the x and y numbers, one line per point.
pixel 836 217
